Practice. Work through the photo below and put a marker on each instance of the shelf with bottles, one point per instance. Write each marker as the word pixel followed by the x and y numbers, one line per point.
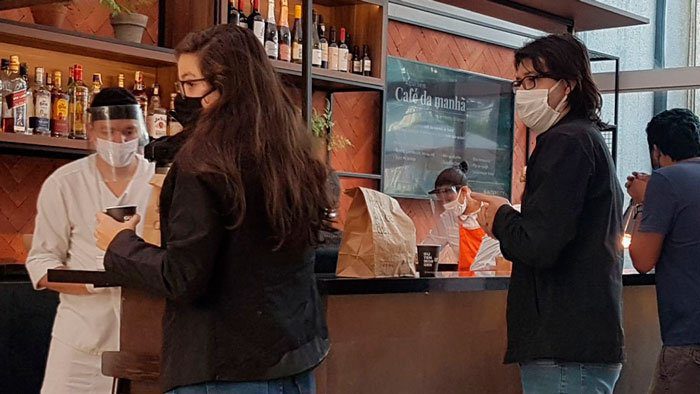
pixel 50 104
pixel 364 23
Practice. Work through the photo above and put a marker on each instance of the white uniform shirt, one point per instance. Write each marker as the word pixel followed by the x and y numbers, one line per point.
pixel 64 235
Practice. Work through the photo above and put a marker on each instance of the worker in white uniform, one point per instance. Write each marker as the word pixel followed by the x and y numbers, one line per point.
pixel 87 318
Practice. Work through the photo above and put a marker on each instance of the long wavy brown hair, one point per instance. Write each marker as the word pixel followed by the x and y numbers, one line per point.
pixel 254 136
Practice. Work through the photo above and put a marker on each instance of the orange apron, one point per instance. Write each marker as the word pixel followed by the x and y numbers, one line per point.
pixel 469 244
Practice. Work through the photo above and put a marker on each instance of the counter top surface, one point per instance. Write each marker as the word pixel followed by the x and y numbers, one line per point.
pixel 329 284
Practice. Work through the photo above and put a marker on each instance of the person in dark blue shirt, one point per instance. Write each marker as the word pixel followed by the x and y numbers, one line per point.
pixel 669 241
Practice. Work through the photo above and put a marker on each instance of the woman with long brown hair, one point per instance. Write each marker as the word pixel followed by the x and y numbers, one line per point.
pixel 240 209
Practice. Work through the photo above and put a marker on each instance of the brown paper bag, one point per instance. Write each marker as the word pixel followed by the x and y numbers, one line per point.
pixel 379 239
pixel 151 224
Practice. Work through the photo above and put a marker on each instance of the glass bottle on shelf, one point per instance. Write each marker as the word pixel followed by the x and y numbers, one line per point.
pixel 40 120
pixel 78 105
pixel 271 36
pixel 366 62
pixel 348 42
pixel 298 43
pixel 242 18
pixel 323 42
pixel 285 35
pixel 342 52
pixel 15 100
pixel 96 85
pixel 174 126
pixel 233 15
pixel 5 90
pixel 140 93
pixel 316 53
pixel 256 23
pixel 356 61
pixel 59 107
pixel 29 98
pixel 120 81
pixel 157 115
pixel 332 51
pixel 49 81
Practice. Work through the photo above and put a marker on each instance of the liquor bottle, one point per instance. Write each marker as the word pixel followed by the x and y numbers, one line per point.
pixel 323 41
pixel 59 108
pixel 174 126
pixel 332 52
pixel 256 23
pixel 77 105
pixel 233 15
pixel 366 62
pixel 348 42
pixel 40 120
pixel 29 98
pixel 298 43
pixel 157 115
pixel 316 52
pixel 96 85
pixel 356 61
pixel 342 52
pixel 271 37
pixel 5 93
pixel 242 19
pixel 49 81
pixel 15 98
pixel 120 81
pixel 140 93
pixel 71 80
pixel 285 35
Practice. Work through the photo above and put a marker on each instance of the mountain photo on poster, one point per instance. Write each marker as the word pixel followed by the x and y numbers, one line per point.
pixel 437 117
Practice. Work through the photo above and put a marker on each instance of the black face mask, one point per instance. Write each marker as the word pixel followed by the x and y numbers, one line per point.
pixel 187 109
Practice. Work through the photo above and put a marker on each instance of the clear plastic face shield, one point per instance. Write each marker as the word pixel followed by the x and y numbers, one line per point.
pixel 442 195
pixel 116 133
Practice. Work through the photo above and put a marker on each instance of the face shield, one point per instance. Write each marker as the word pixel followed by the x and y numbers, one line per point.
pixel 116 133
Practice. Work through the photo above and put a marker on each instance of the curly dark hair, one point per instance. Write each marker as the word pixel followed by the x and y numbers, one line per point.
pixel 563 56
pixel 676 132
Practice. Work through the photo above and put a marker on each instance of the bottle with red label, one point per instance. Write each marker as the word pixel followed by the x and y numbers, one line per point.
pixel 14 116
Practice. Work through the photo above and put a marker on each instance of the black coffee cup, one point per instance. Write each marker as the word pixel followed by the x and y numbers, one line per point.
pixel 122 213
pixel 428 256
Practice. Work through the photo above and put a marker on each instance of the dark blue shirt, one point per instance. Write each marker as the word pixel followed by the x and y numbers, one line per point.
pixel 672 208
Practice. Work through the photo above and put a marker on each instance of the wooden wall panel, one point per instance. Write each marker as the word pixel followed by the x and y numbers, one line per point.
pixel 21 180
pixel 88 16
pixel 357 117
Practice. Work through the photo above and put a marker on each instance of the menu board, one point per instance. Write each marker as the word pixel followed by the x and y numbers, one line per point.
pixel 437 117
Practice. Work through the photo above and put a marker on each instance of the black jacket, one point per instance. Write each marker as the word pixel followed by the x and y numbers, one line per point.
pixel 565 296
pixel 236 310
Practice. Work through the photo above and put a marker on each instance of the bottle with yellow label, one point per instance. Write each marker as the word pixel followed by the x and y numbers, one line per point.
pixel 59 108
pixel 77 105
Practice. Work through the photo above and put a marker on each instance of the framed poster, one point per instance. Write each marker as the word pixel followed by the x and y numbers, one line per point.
pixel 437 117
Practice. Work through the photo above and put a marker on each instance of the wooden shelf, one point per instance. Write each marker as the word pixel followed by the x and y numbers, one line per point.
pixel 45 37
pixel 327 80
pixel 553 16
pixel 12 4
pixel 42 143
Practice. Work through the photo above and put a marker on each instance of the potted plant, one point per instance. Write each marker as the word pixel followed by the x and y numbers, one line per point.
pixel 321 127
pixel 128 25
pixel 50 14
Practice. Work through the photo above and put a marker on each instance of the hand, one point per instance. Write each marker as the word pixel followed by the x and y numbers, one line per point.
pixel 489 207
pixel 108 228
pixel 636 186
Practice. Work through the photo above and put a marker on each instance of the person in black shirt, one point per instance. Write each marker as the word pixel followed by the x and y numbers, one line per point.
pixel 240 210
pixel 564 302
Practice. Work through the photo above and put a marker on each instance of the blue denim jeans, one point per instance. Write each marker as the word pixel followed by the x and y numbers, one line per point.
pixel 553 377
pixel 299 384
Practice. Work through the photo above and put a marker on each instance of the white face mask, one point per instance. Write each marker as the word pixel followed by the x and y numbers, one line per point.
pixel 533 108
pixel 117 154
pixel 455 207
